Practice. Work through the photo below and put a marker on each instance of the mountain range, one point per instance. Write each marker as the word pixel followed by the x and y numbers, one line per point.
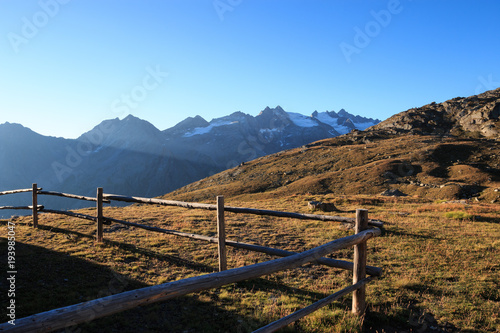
pixel 445 151
pixel 132 157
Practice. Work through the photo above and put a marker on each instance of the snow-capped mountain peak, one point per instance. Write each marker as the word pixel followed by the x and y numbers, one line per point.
pixel 274 119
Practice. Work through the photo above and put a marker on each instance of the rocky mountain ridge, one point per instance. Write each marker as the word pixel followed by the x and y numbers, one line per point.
pixel 132 157
pixel 448 151
pixel 476 116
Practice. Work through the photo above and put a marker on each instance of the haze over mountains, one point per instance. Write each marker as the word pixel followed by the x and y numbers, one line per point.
pixel 133 157
pixel 440 150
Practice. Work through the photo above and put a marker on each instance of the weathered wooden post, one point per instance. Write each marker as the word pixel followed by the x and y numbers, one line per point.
pixel 359 271
pixel 35 205
pixel 99 215
pixel 221 234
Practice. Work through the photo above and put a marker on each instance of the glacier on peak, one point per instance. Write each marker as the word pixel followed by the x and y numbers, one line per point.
pixel 207 129
pixel 302 121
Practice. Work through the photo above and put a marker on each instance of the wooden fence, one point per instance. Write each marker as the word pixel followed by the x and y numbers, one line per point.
pixel 79 313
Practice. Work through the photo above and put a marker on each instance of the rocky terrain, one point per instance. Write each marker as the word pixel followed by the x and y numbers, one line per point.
pixel 476 116
pixel 445 151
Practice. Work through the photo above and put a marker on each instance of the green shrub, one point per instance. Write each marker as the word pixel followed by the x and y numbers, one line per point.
pixel 458 215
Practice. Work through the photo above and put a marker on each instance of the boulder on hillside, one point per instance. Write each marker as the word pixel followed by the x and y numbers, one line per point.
pixel 393 193
pixel 323 206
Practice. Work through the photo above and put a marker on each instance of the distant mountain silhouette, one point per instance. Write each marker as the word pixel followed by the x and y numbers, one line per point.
pixel 133 157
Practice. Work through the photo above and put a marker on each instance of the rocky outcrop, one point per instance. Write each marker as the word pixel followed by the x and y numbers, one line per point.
pixel 476 116
pixel 393 193
pixel 322 206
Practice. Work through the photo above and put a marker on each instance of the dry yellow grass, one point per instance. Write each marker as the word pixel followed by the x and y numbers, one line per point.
pixel 428 166
pixel 438 272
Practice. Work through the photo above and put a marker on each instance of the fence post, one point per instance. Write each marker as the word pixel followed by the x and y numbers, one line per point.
pixel 35 205
pixel 99 214
pixel 221 234
pixel 359 271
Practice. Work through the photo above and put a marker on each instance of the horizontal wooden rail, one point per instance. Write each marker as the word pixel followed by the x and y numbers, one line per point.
pixel 162 202
pixel 238 209
pixel 72 214
pixel 73 196
pixel 161 230
pixel 336 263
pixel 18 191
pixel 371 270
pixel 79 313
pixel 40 207
pixel 311 308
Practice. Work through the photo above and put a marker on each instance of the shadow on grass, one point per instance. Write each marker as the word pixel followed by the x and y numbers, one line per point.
pixel 136 250
pixel 494 220
pixel 412 318
pixel 47 280
pixel 260 283
pixel 396 232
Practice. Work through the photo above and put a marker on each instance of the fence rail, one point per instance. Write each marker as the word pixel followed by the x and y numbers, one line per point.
pixel 240 210
pixel 21 207
pixel 336 263
pixel 79 313
pixel 18 191
pixel 311 308
pixel 72 214
pixel 73 196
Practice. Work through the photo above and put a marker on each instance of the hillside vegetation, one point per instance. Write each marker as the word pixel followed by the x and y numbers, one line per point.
pixel 440 260
pixel 449 150
pixel 367 163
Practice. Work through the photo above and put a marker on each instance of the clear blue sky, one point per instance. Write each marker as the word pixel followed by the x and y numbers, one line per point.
pixel 67 65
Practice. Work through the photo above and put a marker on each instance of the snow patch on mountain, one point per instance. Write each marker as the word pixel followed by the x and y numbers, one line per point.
pixel 301 120
pixel 363 126
pixel 207 129
pixel 325 118
pixel 343 122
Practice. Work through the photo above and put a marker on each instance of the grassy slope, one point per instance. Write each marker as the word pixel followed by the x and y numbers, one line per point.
pixel 369 163
pixel 440 270
pixel 441 260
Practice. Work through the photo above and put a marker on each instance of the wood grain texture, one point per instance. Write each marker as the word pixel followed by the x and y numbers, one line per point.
pixel 221 234
pixel 359 272
pixel 79 313
pixel 34 205
pixel 73 196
